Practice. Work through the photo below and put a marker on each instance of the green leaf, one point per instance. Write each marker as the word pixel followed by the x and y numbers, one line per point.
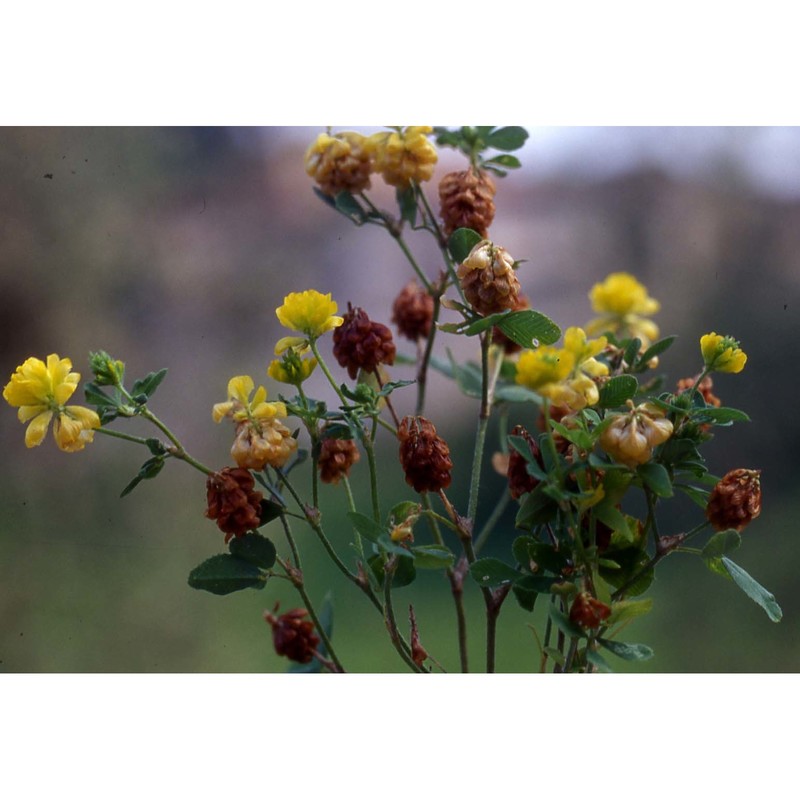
pixel 407 203
pixel 526 549
pixel 595 659
pixel 254 548
pixel 553 653
pixel 562 622
pixel 656 477
pixel 149 383
pixel 656 349
pixel 523 327
pixel 721 544
pixel 525 597
pixel 722 416
pixel 632 563
pixel 432 556
pixel 541 584
pixel 632 351
pixel 468 377
pixel 716 566
pixel 627 651
pixel 511 393
pixel 509 138
pixel 97 397
pixel 401 511
pixel 270 510
pixel 326 198
pixel 349 206
pixel 404 572
pixel 510 162
pixel 223 574
pixel 618 390
pixel 623 610
pixel 461 242
pixel 366 526
pixel 492 572
pixel 698 496
pixel 482 323
pixel 148 470
pixel 754 590
pixel 536 508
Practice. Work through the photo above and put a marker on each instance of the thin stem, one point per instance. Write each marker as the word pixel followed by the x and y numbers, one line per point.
pixel 391 623
pixel 177 451
pixel 119 435
pixel 422 369
pixel 324 367
pixel 352 505
pixel 373 472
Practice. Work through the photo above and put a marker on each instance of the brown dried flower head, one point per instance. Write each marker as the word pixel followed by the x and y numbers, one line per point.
pixel 412 312
pixel 336 457
pixel 293 635
pixel 488 279
pixel 424 455
pixel 736 500
pixel 588 611
pixel 232 501
pixel 360 343
pixel 467 201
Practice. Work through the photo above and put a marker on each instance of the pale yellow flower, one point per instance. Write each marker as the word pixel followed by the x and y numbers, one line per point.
pixel 40 391
pixel 403 156
pixel 623 304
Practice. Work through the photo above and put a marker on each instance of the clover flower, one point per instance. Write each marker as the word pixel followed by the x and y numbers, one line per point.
pixel 309 312
pixel 404 155
pixel 722 353
pixel 339 163
pixel 292 368
pixel 40 391
pixel 623 304
pixel 241 407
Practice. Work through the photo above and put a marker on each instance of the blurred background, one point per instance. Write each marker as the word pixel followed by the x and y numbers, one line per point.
pixel 171 247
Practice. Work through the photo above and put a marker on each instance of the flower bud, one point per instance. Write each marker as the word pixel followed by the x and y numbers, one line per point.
pixel 232 501
pixel 467 201
pixel 488 279
pixel 412 312
pixel 736 500
pixel 107 370
pixel 360 343
pixel 293 635
pixel 424 455
pixel 588 611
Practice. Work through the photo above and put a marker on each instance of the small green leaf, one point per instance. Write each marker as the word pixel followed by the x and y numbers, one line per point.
pixel 516 394
pixel 254 548
pixel 156 446
pixel 270 510
pixel 492 572
pixel 523 327
pixel 482 323
pixel 618 390
pixel 553 653
pixel 461 242
pixel 698 496
pixel 632 350
pixel 656 477
pixel 722 416
pixel 223 574
pixel 526 549
pixel 148 385
pixel 536 508
pixel 97 397
pixel 623 610
pixel 562 622
pixel 716 566
pixel 432 556
pixel 401 511
pixel 404 572
pixel 407 203
pixel 656 349
pixel 508 138
pixel 350 207
pixel 626 650
pixel 525 597
pixel 754 590
pixel 541 584
pixel 722 543
pixel 509 162
pixel 596 660
pixel 366 526
pixel 326 198
pixel 148 470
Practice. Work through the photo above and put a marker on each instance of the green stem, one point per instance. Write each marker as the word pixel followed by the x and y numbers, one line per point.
pixel 324 367
pixel 373 472
pixel 177 451
pixel 422 370
pixel 119 435
pixel 391 623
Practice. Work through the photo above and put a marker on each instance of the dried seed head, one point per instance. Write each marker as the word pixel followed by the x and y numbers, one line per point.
pixel 260 442
pixel 704 388
pixel 360 343
pixel 488 279
pixel 736 500
pixel 232 501
pixel 520 480
pixel 588 611
pixel 293 635
pixel 467 201
pixel 424 455
pixel 336 457
pixel 339 163
pixel 412 312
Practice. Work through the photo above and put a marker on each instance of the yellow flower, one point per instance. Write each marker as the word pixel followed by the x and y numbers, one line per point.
pixel 623 303
pixel 241 408
pixel 309 312
pixel 291 368
pixel 722 353
pixel 40 391
pixel 565 375
pixel 403 156
pixel 339 163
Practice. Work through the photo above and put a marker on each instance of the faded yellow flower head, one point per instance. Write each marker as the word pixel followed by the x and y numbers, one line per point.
pixel 722 353
pixel 339 162
pixel 309 312
pixel 403 155
pixel 623 304
pixel 40 391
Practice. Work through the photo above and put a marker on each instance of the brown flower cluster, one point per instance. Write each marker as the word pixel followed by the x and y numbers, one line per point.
pixel 336 457
pixel 424 455
pixel 467 201
pixel 412 312
pixel 232 501
pixel 293 635
pixel 736 500
pixel 488 279
pixel 360 343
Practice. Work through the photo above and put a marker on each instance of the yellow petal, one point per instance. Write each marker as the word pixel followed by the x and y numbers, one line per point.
pixel 38 429
pixel 221 410
pixel 289 341
pixel 29 412
pixel 240 388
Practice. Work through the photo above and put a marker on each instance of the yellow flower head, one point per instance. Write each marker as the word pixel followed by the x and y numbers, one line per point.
pixel 309 312
pixel 241 407
pixel 403 156
pixel 339 163
pixel 40 391
pixel 623 303
pixel 546 365
pixel 722 353
pixel 291 368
